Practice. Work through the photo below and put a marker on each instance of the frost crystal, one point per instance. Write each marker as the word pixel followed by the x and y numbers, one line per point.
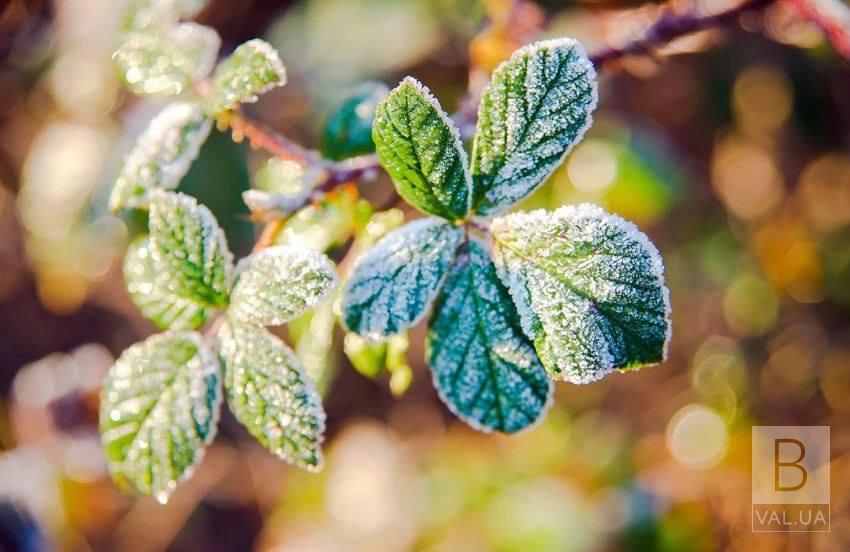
pixel 484 367
pixel 269 394
pixel 420 148
pixel 252 69
pixel 189 249
pixel 392 285
pixel 159 409
pixel 280 283
pixel 535 109
pixel 162 156
pixel 589 287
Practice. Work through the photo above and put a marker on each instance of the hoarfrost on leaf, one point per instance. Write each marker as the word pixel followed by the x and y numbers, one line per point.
pixel 280 283
pixel 269 394
pixel 282 187
pixel 535 109
pixel 143 14
pixel 392 285
pixel 189 249
pixel 485 369
pixel 253 68
pixel 420 148
pixel 162 155
pixel 158 412
pixel 589 287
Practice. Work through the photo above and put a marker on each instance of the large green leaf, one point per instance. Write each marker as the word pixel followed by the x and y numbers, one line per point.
pixel 589 287
pixel 158 411
pixel 535 109
pixel 253 68
pixel 162 155
pixel 393 283
pixel 269 394
pixel 485 369
pixel 279 283
pixel 420 148
pixel 189 249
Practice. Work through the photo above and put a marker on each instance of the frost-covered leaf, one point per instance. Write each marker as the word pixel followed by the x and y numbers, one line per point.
pixel 485 369
pixel 420 148
pixel 393 283
pixel 166 61
pixel 327 223
pixel 282 186
pixel 269 394
pixel 143 14
pixel 252 69
pixel 589 287
pixel 189 249
pixel 150 292
pixel 279 283
pixel 348 131
pixel 158 411
pixel 536 107
pixel 162 156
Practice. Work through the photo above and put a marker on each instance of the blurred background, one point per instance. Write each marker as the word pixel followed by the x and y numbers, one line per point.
pixel 730 148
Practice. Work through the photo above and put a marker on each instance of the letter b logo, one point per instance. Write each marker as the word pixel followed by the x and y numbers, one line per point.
pixel 780 447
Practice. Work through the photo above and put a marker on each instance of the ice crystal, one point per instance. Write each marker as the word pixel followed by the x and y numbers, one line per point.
pixel 269 394
pixel 589 287
pixel 484 367
pixel 280 283
pixel 420 148
pixel 392 285
pixel 189 249
pixel 252 69
pixel 536 107
pixel 162 155
pixel 159 409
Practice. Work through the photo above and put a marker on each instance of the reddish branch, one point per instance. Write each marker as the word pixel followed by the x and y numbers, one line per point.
pixel 831 16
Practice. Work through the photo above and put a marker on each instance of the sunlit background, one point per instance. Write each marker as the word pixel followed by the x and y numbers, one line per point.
pixel 730 149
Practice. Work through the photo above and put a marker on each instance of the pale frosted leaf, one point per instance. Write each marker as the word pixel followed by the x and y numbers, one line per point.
pixel 158 411
pixel 589 287
pixel 392 284
pixel 485 369
pixel 279 283
pixel 150 292
pixel 420 148
pixel 142 14
pixel 189 249
pixel 281 187
pixel 269 394
pixel 252 69
pixel 535 109
pixel 162 155
pixel 166 61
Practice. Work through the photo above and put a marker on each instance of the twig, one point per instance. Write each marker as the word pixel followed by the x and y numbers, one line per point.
pixel 831 16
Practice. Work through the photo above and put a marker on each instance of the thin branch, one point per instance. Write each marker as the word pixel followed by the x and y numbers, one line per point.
pixel 831 17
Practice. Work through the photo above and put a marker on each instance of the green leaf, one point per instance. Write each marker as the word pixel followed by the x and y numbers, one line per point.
pixel 282 186
pixel 162 156
pixel 252 69
pixel 348 131
pixel 269 394
pixel 189 249
pixel 279 283
pixel 485 369
pixel 535 109
pixel 589 287
pixel 158 411
pixel 143 14
pixel 312 334
pixel 420 148
pixel 392 284
pixel 150 292
pixel 168 61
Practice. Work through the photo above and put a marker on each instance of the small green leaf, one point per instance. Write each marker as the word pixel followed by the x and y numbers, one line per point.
pixel 270 396
pixel 420 148
pixel 150 292
pixel 144 14
pixel 279 283
pixel 589 287
pixel 535 109
pixel 392 284
pixel 189 249
pixel 312 334
pixel 162 156
pixel 253 68
pixel 158 411
pixel 348 131
pixel 166 62
pixel 485 369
